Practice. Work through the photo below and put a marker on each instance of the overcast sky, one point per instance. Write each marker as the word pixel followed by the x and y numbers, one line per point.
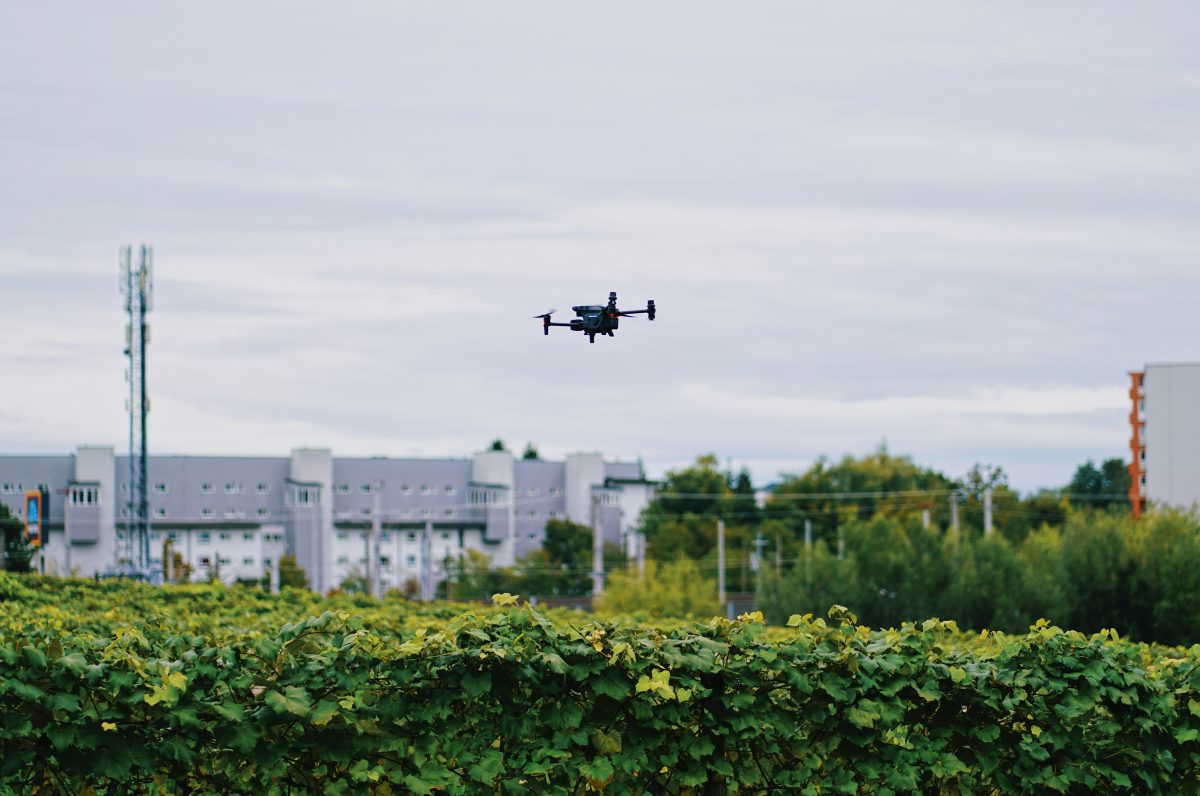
pixel 953 226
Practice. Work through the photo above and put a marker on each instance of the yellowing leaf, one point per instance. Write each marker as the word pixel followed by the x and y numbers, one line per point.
pixel 504 599
pixel 108 726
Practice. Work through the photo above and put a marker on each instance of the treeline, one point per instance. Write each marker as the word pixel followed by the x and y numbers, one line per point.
pixel 886 542
pixel 1097 570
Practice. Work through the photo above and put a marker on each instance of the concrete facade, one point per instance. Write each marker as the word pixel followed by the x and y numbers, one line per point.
pixel 236 516
pixel 1166 423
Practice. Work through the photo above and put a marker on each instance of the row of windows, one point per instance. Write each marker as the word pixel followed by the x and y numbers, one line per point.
pixel 18 488
pixel 81 496
pixel 231 488
pixel 385 536
pixel 384 561
pixel 206 536
pixel 208 514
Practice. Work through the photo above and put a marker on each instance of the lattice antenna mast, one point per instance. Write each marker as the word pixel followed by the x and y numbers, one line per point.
pixel 137 285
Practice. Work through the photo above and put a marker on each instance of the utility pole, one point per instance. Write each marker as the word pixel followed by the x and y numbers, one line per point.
pixel 925 518
pixel 778 555
pixel 374 584
pixel 426 561
pixel 954 511
pixel 138 288
pixel 721 562
pixel 597 549
pixel 759 544
pixel 641 554
pixel 808 551
pixel 987 511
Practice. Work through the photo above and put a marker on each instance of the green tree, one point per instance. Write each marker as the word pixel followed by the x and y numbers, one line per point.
pixel 531 453
pixel 673 589
pixel 18 554
pixel 497 445
pixel 682 518
pixel 879 483
pixel 818 581
pixel 1165 588
pixel 1103 487
pixel 1099 571
pixel 291 574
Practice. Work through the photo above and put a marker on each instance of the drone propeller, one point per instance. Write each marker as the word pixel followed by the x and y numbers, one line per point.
pixel 546 314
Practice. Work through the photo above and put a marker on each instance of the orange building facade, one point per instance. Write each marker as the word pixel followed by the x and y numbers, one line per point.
pixel 1137 442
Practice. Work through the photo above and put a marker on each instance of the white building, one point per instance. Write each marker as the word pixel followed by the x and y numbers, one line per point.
pixel 1165 438
pixel 236 516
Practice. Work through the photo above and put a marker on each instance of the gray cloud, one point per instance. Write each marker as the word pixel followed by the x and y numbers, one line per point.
pixel 861 223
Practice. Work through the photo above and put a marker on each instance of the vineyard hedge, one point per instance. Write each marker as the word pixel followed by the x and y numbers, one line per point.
pixel 511 700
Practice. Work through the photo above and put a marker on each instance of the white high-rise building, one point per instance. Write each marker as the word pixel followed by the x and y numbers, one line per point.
pixel 1165 438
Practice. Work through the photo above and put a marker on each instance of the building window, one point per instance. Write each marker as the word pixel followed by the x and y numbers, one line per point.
pixel 385 561
pixel 426 489
pixel 125 513
pixel 366 512
pixel 411 561
pixel 267 562
pixel 343 488
pixel 343 536
pixel 234 489
pixel 206 489
pixel 173 536
pixel 206 513
pixel 426 513
pixel 343 560
pixel 248 536
pixel 532 513
pixel 405 489
pixel 384 536
pixel 224 536
pixel 83 496
pixel 308 496
pixel 450 489
pixel 204 538
pixel 366 489
pixel 262 489
pixel 533 536
pixel 160 512
pixel 412 537
pixel 445 535
pixel 556 491
pixel 160 489
pixel 248 561
pixel 449 512
pixel 205 561
pixel 532 491
pixel 224 560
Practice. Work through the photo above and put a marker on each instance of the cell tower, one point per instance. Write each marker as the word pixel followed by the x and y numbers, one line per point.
pixel 137 285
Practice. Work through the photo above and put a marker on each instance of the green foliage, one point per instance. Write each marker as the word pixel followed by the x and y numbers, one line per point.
pixel 674 589
pixel 497 445
pixel 531 453
pixel 291 574
pixel 1100 570
pixel 1101 487
pixel 17 552
pixel 511 700
pixel 809 495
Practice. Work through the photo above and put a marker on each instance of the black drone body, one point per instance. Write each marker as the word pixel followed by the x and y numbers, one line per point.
pixel 596 319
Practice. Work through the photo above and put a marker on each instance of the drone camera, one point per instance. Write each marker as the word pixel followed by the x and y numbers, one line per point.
pixel 650 309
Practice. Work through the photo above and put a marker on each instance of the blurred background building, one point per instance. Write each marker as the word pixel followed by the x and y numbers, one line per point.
pixel 234 516
pixel 1165 438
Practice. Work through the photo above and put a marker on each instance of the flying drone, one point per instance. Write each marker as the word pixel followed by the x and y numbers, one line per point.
pixel 596 319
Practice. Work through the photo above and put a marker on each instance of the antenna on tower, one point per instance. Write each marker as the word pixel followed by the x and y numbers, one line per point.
pixel 137 286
